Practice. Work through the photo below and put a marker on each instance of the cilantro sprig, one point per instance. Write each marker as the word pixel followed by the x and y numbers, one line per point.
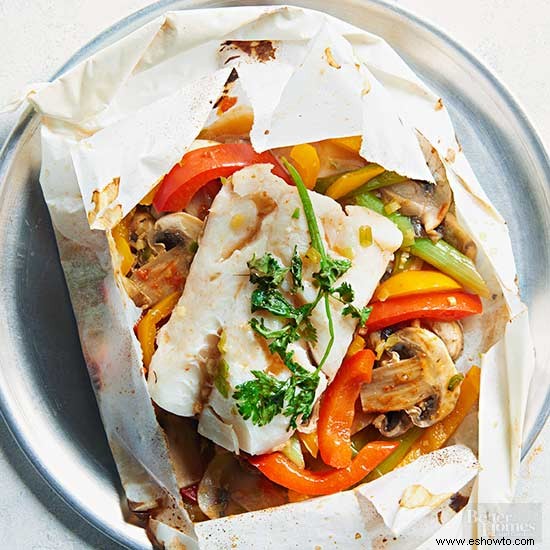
pixel 265 396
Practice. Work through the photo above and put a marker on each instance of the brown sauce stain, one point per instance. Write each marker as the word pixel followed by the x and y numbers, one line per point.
pixel 262 50
pixel 264 205
pixel 458 502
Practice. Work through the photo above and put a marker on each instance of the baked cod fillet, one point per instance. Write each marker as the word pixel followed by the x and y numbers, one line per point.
pixel 256 212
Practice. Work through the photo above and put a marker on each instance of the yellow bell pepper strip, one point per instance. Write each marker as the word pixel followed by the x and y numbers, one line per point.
pixel 310 442
pixel 279 469
pixel 324 183
pixel 338 408
pixel 121 236
pixel 449 260
pixel 405 443
pixel 351 181
pixel 352 144
pixel 435 436
pixel 357 344
pixel 147 327
pixel 414 282
pixel 368 200
pixel 306 161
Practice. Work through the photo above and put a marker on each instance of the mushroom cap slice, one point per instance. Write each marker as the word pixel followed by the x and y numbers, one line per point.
pixel 392 424
pixel 177 228
pixel 414 380
pixel 456 236
pixel 450 332
pixel 427 201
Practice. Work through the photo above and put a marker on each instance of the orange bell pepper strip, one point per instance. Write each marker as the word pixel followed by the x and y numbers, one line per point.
pixel 414 282
pixel 357 344
pixel 435 436
pixel 121 236
pixel 306 161
pixel 338 408
pixel 352 144
pixel 446 306
pixel 147 327
pixel 279 469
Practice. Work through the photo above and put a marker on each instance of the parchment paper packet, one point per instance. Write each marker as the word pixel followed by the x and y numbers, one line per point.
pixel 116 123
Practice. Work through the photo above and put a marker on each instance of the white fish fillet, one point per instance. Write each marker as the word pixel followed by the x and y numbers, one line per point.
pixel 253 214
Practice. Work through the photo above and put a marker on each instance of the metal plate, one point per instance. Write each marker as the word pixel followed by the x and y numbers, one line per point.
pixel 45 394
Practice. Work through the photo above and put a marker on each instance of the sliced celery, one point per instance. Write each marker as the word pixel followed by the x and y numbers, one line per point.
pixel 370 201
pixel 450 261
pixel 403 222
pixel 383 180
pixel 397 456
pixel 441 255
pixel 293 451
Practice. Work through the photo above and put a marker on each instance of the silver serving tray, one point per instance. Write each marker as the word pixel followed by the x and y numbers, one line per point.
pixel 45 395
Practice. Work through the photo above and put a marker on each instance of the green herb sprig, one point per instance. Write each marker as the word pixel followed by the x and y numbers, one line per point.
pixel 265 396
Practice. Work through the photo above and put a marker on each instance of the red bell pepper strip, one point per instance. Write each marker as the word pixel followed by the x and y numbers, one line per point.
pixel 446 306
pixel 338 408
pixel 190 493
pixel 279 469
pixel 200 166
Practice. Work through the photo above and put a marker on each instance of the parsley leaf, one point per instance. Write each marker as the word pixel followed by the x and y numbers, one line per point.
pixel 362 314
pixel 331 270
pixel 308 332
pixel 345 292
pixel 266 271
pixel 280 338
pixel 272 301
pixel 261 399
pixel 300 395
pixel 296 271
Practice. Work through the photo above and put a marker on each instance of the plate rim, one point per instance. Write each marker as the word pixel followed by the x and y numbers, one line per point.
pixel 28 121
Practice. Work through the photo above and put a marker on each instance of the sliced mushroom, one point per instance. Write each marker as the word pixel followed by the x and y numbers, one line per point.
pixel 374 340
pixel 229 487
pixel 361 419
pixel 451 334
pixel 176 229
pixel 393 423
pixel 159 277
pixel 454 234
pixel 426 201
pixel 141 227
pixel 213 493
pixel 142 223
pixel 414 380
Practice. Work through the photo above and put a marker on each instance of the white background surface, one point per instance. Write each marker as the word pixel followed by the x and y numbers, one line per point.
pixel 36 37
